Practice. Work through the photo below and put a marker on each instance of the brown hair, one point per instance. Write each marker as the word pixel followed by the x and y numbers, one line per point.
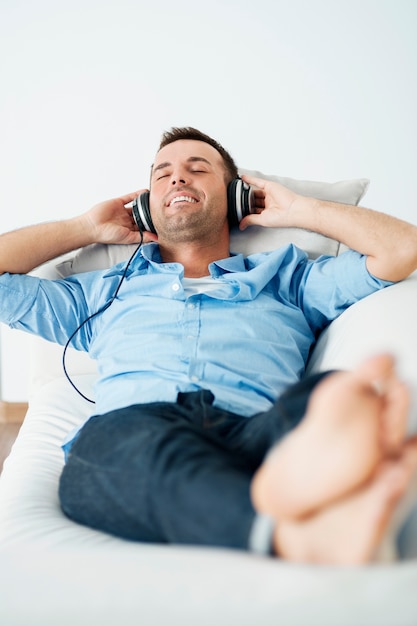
pixel 176 134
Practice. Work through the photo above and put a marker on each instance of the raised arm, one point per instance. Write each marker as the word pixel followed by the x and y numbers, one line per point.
pixel 389 243
pixel 108 222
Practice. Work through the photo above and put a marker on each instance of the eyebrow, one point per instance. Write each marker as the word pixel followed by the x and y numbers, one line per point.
pixel 192 159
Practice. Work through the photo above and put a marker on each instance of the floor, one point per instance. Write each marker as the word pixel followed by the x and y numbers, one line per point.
pixel 11 418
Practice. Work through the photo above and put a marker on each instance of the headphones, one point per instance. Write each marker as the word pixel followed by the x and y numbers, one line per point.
pixel 240 202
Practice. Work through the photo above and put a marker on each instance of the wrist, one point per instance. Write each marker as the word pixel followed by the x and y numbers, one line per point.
pixel 81 230
pixel 304 212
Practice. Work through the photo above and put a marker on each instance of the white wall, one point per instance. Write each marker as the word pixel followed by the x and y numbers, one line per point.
pixel 319 89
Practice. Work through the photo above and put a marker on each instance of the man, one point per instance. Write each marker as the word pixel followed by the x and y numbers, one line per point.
pixel 198 359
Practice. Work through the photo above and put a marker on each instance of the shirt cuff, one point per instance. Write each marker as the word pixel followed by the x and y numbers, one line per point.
pixel 261 535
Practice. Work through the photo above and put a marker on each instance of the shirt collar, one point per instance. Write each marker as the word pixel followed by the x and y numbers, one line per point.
pixel 150 252
pixel 233 263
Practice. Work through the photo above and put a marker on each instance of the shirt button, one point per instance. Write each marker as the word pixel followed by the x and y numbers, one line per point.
pixel 175 287
pixel 190 306
pixel 195 379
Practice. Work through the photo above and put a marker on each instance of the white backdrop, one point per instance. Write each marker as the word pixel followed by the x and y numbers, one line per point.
pixel 319 89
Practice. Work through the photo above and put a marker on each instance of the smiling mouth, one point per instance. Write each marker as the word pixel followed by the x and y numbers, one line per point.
pixel 182 199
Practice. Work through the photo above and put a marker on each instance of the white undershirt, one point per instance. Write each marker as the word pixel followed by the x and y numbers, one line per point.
pixel 199 285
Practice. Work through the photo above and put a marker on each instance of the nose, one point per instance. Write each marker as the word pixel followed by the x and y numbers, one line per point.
pixel 179 178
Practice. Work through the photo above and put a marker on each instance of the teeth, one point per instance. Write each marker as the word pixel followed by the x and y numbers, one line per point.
pixel 182 199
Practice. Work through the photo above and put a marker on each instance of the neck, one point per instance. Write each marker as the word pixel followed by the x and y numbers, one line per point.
pixel 195 258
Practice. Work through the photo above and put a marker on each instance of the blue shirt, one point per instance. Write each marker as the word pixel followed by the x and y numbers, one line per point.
pixel 246 339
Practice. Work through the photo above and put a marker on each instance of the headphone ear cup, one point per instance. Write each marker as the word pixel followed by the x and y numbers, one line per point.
pixel 142 213
pixel 240 201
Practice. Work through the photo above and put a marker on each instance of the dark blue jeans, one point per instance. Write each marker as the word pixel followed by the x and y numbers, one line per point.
pixel 175 472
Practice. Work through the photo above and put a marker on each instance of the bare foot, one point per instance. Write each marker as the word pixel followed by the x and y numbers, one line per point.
pixel 348 531
pixel 353 420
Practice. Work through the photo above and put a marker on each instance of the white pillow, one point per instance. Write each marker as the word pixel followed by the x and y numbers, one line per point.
pixel 253 239
pixel 258 239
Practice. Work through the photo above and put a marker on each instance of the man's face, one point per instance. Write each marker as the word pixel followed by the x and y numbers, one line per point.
pixel 188 195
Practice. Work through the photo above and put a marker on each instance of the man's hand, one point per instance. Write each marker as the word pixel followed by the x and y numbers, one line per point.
pixel 112 221
pixel 108 222
pixel 273 204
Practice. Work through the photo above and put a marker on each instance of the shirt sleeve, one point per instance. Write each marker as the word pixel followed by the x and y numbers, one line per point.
pixel 48 308
pixel 329 285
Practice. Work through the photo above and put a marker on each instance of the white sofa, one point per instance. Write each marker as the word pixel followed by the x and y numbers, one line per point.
pixel 54 572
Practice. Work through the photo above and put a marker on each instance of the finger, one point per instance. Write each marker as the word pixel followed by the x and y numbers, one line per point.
pixel 259 199
pixel 129 197
pixel 249 220
pixel 148 236
pixel 254 180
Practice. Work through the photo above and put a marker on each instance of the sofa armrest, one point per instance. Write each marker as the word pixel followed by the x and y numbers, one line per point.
pixel 384 322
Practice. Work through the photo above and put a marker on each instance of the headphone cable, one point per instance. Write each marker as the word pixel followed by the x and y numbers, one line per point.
pixel 101 310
